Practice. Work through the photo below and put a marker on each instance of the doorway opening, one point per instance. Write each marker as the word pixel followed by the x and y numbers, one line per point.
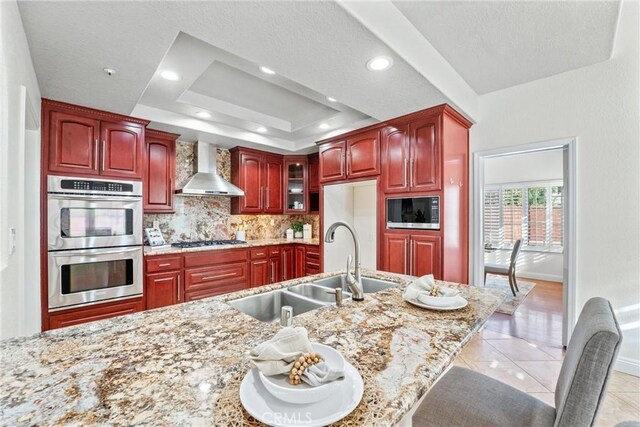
pixel 524 209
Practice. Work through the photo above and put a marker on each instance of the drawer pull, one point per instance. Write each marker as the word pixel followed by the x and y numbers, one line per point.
pixel 220 276
pixel 165 265
pixel 166 279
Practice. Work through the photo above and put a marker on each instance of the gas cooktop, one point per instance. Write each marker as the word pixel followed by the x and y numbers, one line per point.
pixel 201 243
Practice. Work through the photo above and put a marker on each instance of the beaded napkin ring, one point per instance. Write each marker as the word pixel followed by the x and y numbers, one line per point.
pixel 301 365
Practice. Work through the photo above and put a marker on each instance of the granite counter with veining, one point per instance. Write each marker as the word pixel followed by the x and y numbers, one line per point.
pixel 182 365
pixel 148 251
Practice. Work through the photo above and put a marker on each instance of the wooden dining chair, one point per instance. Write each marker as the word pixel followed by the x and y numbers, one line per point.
pixel 464 398
pixel 506 270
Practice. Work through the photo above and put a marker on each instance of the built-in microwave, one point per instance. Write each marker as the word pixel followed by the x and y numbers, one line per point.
pixel 414 212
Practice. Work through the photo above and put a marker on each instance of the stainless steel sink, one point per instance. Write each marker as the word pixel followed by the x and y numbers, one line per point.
pixel 266 307
pixel 318 293
pixel 369 285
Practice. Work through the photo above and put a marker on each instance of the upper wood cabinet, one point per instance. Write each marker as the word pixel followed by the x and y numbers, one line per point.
pixel 314 173
pixel 159 174
pixel 82 141
pixel 411 156
pixel 295 184
pixel 259 175
pixel 358 156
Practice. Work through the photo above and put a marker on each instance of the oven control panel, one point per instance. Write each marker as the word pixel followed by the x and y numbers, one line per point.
pixel 102 186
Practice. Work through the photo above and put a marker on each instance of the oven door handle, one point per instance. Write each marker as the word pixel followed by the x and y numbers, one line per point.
pixel 95 197
pixel 95 252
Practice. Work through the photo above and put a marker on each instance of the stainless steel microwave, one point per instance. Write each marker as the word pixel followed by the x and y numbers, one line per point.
pixel 414 212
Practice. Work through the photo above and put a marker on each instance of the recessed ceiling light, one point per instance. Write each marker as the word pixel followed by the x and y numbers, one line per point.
pixel 170 75
pixel 323 126
pixel 331 99
pixel 203 114
pixel 262 129
pixel 266 70
pixel 379 63
pixel 109 71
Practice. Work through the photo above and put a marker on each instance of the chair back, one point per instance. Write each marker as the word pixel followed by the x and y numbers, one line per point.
pixel 515 252
pixel 587 365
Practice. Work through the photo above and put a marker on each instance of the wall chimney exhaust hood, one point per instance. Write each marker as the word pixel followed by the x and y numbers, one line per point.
pixel 206 181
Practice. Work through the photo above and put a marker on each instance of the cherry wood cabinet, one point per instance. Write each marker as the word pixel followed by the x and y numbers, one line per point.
pixel 395 152
pixel 295 184
pixel 412 254
pixel 82 141
pixel 158 182
pixel 259 175
pixel 332 157
pixel 61 319
pixel 288 262
pixel 211 273
pixel 313 161
pixel 259 274
pixel 363 154
pixel 425 162
pixel 312 260
pixel 162 289
pixel 300 261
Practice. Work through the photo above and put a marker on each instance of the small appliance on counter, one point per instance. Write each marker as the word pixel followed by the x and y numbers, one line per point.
pixel 154 237
pixel 306 231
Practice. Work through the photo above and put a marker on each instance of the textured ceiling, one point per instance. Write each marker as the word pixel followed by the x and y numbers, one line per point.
pixel 497 44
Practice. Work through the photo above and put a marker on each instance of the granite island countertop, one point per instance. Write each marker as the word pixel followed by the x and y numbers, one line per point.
pixel 183 364
pixel 249 244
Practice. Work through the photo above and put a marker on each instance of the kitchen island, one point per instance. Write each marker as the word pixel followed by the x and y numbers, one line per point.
pixel 183 364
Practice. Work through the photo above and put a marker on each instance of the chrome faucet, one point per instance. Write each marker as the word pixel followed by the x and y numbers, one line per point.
pixel 354 283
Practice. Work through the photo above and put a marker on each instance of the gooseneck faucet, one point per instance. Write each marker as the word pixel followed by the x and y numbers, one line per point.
pixel 354 283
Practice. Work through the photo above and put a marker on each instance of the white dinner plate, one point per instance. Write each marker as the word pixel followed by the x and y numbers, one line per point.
pixel 267 409
pixel 462 304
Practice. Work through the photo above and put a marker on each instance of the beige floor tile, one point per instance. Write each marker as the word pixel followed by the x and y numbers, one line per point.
pixel 545 372
pixel 632 399
pixel 492 335
pixel 556 352
pixel 510 373
pixel 615 410
pixel 547 398
pixel 519 349
pixel 479 350
pixel 459 361
pixel 621 382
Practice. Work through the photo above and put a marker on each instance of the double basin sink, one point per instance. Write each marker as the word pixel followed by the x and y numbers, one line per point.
pixel 302 298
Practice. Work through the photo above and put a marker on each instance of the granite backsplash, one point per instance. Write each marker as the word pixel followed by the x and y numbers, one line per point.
pixel 209 217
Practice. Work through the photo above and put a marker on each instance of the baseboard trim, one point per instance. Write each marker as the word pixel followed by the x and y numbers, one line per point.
pixel 628 366
pixel 539 276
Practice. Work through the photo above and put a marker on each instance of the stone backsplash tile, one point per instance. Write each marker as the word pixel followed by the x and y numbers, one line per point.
pixel 209 217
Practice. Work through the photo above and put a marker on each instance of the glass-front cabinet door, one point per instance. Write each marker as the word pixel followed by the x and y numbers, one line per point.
pixel 296 185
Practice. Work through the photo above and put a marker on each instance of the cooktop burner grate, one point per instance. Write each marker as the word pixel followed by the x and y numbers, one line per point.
pixel 201 243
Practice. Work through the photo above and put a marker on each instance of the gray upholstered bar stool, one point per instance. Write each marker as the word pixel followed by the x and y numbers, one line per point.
pixel 506 270
pixel 467 398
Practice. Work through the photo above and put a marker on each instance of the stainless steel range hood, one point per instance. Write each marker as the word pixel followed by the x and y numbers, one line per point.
pixel 206 181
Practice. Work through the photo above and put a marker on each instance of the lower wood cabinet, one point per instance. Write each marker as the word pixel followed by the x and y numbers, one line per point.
pixel 300 260
pixel 77 316
pixel 311 260
pixel 259 273
pixel 412 254
pixel 216 280
pixel 162 289
pixel 288 262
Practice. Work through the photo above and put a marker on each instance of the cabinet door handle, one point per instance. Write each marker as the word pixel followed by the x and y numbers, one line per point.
pixel 348 162
pixel 267 196
pixel 220 276
pixel 166 279
pixel 261 198
pixel 406 255
pixel 96 153
pixel 178 289
pixel 164 265
pixel 104 154
pixel 404 172
pixel 410 258
pixel 284 270
pixel 410 172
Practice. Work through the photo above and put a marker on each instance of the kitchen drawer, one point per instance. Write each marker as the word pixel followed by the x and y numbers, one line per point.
pixel 156 264
pixel 312 252
pixel 212 292
pixel 222 276
pixel 208 258
pixel 260 253
pixel 96 312
pixel 275 251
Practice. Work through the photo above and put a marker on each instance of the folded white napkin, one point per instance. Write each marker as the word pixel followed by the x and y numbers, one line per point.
pixel 321 373
pixel 420 290
pixel 278 355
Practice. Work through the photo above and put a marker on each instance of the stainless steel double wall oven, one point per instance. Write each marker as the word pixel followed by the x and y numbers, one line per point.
pixel 94 240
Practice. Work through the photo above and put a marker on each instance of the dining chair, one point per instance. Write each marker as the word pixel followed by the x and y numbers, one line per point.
pixel 506 270
pixel 466 398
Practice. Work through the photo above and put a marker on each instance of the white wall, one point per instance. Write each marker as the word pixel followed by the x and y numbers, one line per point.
pixel 354 203
pixel 19 183
pixel 527 167
pixel 538 166
pixel 598 105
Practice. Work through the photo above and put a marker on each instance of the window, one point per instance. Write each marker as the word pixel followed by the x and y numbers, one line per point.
pixel 533 212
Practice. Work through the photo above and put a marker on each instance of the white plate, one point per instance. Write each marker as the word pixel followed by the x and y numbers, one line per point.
pixel 267 409
pixel 463 303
